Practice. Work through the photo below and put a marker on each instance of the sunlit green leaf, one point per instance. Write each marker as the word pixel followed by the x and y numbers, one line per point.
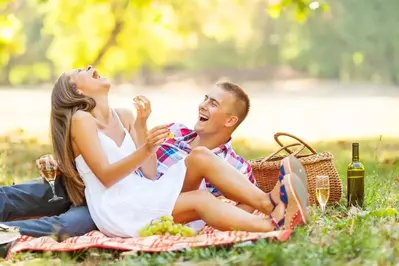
pixel 358 58
pixel 274 11
pixel 301 14
pixel 324 7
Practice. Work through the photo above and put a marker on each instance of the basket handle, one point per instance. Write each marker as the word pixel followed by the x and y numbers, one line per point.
pixel 286 148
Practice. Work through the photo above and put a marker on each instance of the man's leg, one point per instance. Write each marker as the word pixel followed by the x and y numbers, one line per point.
pixel 75 222
pixel 31 200
pixel 201 162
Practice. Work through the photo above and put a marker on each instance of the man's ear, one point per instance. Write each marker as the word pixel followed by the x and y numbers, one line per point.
pixel 231 121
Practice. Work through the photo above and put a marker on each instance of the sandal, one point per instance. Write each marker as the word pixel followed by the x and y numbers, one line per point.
pixel 289 165
pixel 296 220
pixel 297 198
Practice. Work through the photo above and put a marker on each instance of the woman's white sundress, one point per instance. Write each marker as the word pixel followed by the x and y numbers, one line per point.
pixel 134 201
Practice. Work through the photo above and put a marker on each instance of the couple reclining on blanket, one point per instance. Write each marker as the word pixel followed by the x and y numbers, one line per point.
pixel 129 176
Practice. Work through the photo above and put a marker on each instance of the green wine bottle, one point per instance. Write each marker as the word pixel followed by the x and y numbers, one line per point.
pixel 355 179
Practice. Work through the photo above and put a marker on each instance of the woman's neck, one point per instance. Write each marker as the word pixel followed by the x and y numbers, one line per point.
pixel 102 110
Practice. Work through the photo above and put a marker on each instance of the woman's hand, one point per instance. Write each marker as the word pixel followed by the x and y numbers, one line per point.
pixel 148 141
pixel 143 108
pixel 155 137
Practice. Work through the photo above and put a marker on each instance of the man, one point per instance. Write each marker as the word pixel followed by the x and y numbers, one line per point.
pixel 224 108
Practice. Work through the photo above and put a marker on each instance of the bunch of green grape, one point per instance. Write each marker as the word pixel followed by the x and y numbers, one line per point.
pixel 166 226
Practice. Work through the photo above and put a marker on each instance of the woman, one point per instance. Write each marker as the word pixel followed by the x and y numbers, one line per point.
pixel 115 156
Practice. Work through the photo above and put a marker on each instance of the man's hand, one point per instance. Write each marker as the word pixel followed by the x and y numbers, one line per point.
pixel 41 164
pixel 143 108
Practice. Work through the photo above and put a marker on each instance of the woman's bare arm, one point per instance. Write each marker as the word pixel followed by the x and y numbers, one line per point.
pixel 149 167
pixel 85 136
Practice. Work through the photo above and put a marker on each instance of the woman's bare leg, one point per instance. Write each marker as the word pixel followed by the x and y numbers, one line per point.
pixel 202 163
pixel 218 214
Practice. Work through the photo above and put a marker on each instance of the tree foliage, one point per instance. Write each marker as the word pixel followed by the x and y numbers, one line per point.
pixel 346 39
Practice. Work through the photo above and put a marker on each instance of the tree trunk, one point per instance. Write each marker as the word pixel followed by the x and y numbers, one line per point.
pixel 111 41
pixel 5 76
pixel 119 22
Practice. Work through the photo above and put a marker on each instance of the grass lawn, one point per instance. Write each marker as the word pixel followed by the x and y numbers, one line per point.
pixel 333 239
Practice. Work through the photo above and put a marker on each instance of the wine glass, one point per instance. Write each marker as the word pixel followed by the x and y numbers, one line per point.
pixel 49 173
pixel 322 190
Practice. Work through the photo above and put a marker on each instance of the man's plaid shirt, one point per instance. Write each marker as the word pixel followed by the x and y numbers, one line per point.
pixel 177 148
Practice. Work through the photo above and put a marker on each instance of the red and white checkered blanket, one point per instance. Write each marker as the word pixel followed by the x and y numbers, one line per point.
pixel 208 236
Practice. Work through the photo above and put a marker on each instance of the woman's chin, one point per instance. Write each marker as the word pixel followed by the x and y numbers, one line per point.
pixel 105 83
pixel 104 80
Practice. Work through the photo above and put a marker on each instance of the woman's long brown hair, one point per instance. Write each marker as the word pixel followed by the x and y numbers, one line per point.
pixel 65 101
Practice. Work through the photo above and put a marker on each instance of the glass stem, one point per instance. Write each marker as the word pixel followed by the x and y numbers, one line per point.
pixel 51 183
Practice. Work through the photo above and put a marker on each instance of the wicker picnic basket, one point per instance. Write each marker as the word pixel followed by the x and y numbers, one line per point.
pixel 266 169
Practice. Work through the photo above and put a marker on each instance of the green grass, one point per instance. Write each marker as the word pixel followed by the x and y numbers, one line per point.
pixel 336 238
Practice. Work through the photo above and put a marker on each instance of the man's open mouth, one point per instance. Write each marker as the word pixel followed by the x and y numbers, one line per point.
pixel 203 118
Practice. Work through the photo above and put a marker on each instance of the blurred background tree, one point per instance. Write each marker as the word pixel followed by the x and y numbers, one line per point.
pixel 149 39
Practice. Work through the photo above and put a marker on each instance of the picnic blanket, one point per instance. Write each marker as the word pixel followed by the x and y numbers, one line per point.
pixel 207 236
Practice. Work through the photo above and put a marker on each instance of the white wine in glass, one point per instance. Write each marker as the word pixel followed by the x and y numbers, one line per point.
pixel 322 190
pixel 49 172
